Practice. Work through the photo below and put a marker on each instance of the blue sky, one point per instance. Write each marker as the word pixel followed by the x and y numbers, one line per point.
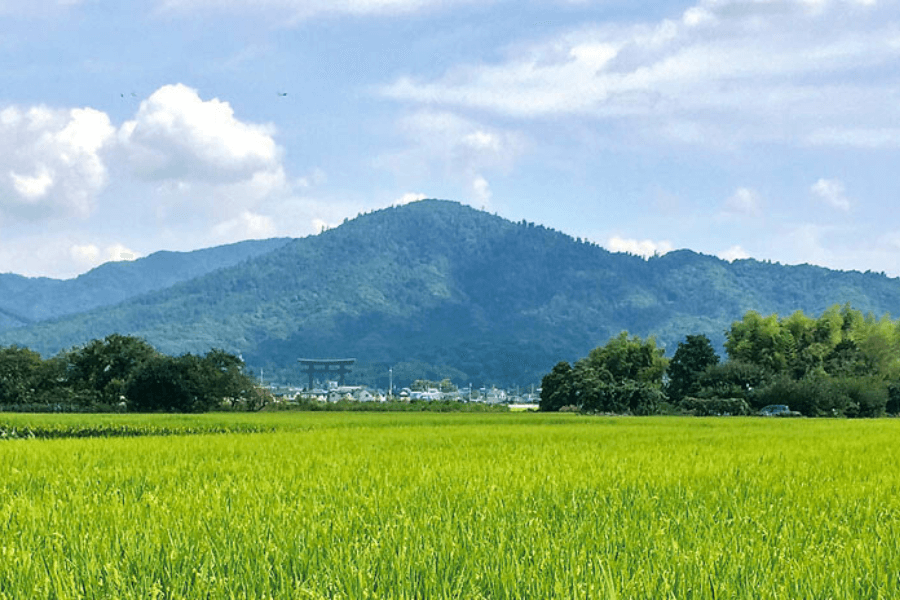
pixel 761 128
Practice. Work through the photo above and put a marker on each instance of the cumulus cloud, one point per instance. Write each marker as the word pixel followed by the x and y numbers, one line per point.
pixel 738 70
pixel 409 197
pixel 178 136
pixel 734 253
pixel 51 162
pixel 832 193
pixel 481 190
pixel 644 248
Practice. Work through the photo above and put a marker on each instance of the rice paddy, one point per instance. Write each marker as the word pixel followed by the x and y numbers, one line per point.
pixel 347 505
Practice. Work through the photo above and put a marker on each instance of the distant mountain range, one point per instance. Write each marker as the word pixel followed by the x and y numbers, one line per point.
pixel 431 289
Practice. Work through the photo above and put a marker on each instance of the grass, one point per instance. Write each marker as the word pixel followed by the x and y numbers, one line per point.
pixel 347 505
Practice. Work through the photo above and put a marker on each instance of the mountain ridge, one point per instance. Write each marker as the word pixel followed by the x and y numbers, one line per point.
pixel 27 300
pixel 436 288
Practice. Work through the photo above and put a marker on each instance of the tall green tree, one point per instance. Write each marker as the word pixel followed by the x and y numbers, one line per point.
pixel 691 359
pixel 630 358
pixel 760 341
pixel 101 369
pixel 167 384
pixel 557 387
pixel 223 378
pixel 20 371
pixel 625 375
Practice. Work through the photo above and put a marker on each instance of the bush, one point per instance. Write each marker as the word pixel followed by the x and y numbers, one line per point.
pixel 866 396
pixel 828 396
pixel 627 397
pixel 716 407
pixel 733 379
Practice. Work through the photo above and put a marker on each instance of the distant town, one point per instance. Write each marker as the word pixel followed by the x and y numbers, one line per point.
pixel 332 391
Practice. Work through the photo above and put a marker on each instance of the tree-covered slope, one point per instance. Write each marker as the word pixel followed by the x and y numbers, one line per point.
pixel 26 300
pixel 436 288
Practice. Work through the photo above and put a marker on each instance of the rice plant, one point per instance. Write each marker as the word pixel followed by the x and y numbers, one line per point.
pixel 457 506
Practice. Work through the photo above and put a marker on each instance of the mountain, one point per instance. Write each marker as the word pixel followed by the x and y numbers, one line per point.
pixel 437 289
pixel 26 300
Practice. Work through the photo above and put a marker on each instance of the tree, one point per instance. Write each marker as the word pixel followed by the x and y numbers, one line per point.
pixel 19 375
pixel 166 384
pixel 557 387
pixel 101 369
pixel 625 375
pixel 630 359
pixel 760 341
pixel 691 359
pixel 222 378
pixel 732 379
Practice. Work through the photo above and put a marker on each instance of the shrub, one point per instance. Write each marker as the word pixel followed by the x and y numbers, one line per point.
pixel 719 407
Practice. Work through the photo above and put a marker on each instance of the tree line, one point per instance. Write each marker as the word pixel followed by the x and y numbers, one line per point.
pixel 843 363
pixel 124 373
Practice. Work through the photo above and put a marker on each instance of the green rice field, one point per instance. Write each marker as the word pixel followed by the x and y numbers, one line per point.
pixel 429 506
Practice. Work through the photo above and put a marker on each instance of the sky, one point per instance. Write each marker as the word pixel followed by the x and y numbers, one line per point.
pixel 738 128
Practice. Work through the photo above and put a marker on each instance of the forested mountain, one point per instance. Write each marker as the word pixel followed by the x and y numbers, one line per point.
pixel 437 289
pixel 27 300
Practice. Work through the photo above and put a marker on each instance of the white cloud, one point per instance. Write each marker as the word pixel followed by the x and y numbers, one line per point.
pixel 178 136
pixel 320 225
pixel 644 248
pixel 409 197
pixel 831 191
pixel 34 187
pixel 744 202
pixel 735 70
pixel 733 253
pixel 481 190
pixel 200 168
pixel 51 162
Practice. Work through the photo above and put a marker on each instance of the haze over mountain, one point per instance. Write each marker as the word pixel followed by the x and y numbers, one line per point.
pixel 431 289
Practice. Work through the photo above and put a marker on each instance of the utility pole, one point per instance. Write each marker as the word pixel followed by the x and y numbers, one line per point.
pixel 391 384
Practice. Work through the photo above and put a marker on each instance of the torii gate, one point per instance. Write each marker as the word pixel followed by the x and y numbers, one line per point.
pixel 339 366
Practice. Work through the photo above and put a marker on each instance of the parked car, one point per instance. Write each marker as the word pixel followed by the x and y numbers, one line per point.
pixel 778 410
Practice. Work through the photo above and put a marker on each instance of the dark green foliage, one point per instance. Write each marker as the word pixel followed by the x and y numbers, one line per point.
pixel 100 370
pixel 623 376
pixel 557 388
pixel 732 379
pixel 818 396
pixel 626 397
pixel 20 374
pixel 626 358
pixel 165 384
pixel 121 372
pixel 715 407
pixel 692 358
pixel 892 407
